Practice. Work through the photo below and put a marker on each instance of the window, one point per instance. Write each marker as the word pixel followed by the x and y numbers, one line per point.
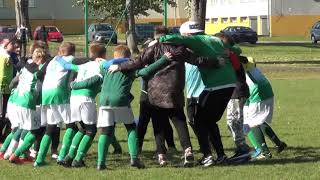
pixel 243 19
pixel 224 20
pixel 233 20
pixel 207 20
pixel 32 3
pixel 1 3
pixel 214 20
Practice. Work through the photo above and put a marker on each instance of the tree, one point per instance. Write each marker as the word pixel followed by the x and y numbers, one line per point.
pixel 198 10
pixel 112 9
pixel 22 14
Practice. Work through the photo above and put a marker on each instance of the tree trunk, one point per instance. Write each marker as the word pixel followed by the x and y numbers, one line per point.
pixel 22 15
pixel 131 33
pixel 198 12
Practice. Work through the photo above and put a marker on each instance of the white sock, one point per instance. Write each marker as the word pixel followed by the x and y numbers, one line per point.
pixel 12 147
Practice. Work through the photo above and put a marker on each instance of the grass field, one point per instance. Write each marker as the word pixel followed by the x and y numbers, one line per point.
pixel 296 120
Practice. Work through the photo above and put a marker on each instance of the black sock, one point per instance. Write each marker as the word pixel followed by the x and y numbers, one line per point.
pixel 267 130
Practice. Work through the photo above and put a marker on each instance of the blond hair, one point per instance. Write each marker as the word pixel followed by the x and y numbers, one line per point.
pixel 38 54
pixel 67 49
pixel 122 51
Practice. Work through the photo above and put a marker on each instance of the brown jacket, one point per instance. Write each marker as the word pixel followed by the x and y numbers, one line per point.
pixel 166 86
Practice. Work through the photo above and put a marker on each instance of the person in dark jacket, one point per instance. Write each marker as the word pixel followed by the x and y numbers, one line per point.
pixel 237 101
pixel 166 91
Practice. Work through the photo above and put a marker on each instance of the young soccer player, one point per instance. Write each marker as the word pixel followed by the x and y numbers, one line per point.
pixel 115 107
pixel 258 111
pixel 55 99
pixel 26 98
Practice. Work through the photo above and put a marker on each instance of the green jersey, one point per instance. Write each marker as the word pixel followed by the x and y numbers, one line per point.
pixel 259 86
pixel 25 93
pixel 55 88
pixel 116 89
pixel 6 72
pixel 85 72
pixel 208 46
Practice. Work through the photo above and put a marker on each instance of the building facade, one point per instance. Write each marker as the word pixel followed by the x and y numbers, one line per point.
pixel 69 18
pixel 267 17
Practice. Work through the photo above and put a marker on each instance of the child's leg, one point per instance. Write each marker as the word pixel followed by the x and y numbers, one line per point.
pixel 132 140
pixel 267 130
pixel 45 144
pixel 86 141
pixel 29 139
pixel 22 137
pixel 67 140
pixel 13 144
pixel 36 146
pixel 76 141
pixel 116 146
pixel 55 141
pixel 105 140
pixel 7 141
pixel 257 139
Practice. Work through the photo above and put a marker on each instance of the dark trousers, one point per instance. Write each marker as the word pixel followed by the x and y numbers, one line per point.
pixel 178 119
pixel 144 119
pixel 5 125
pixel 204 113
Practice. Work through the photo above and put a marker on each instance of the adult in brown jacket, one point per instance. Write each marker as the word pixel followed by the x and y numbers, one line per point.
pixel 166 90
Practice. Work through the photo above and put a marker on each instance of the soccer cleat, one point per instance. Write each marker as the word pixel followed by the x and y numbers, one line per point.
pixel 240 151
pixel 37 164
pixel 206 161
pixel 135 162
pixel 67 162
pixel 259 155
pixel 222 159
pixel 188 158
pixel 15 159
pixel 78 164
pixel 282 146
pixel 28 158
pixel 33 153
pixel 162 160
pixel 101 167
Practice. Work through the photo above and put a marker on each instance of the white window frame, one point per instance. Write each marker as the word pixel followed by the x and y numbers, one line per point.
pixel 215 20
pixel 233 19
pixel 224 20
pixel 33 4
pixel 2 4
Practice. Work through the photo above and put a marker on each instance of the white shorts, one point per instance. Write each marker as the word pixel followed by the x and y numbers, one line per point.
pixel 27 118
pixel 83 109
pixel 56 114
pixel 12 115
pixel 256 114
pixel 108 116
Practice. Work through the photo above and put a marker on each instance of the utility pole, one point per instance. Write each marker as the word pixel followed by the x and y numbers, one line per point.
pixel 86 50
pixel 165 12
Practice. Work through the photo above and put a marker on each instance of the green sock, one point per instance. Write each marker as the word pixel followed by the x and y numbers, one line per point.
pixel 66 143
pixel 44 147
pixel 258 134
pixel 267 130
pixel 132 143
pixel 103 145
pixel 115 144
pixel 24 133
pixel 17 135
pixel 83 147
pixel 6 142
pixel 253 140
pixel 75 143
pixel 27 143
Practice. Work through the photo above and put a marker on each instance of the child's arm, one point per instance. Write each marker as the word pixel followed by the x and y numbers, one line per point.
pixel 154 66
pixel 189 41
pixel 14 83
pixel 88 83
pixel 107 64
pixel 66 65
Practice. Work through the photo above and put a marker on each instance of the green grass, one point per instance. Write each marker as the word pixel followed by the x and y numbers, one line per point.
pixel 284 38
pixel 296 121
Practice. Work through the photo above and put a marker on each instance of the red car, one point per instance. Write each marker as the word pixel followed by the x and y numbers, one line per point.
pixel 53 34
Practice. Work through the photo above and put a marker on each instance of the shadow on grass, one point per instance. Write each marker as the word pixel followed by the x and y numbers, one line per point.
pixel 288 62
pixel 299 155
pixel 291 44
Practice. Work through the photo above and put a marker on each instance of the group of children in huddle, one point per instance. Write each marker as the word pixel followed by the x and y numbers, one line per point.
pixel 48 93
